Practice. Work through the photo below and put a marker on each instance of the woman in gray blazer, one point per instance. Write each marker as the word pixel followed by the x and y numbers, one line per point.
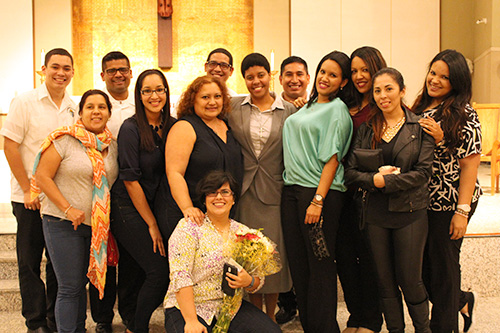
pixel 257 121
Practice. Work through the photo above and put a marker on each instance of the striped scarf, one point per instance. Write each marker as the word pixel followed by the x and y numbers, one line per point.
pixel 94 145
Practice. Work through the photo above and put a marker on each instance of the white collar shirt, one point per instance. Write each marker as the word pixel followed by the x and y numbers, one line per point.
pixel 122 109
pixel 32 117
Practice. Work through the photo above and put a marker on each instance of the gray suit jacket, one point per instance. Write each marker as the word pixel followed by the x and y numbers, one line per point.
pixel 265 171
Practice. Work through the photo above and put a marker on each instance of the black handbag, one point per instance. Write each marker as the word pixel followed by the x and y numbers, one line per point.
pixel 318 240
pixel 368 160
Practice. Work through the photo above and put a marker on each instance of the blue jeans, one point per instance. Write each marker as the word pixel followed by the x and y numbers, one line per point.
pixel 248 319
pixel 69 250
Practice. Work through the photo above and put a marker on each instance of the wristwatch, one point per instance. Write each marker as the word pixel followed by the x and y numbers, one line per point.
pixel 465 207
pixel 318 198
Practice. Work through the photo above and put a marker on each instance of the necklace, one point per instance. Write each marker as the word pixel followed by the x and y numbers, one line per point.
pixel 156 127
pixel 391 131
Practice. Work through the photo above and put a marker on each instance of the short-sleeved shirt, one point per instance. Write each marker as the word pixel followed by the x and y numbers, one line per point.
pixel 311 136
pixel 196 256
pixel 445 178
pixel 74 176
pixel 120 111
pixel 136 164
pixel 32 117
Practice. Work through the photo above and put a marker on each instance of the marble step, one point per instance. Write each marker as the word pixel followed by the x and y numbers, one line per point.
pixel 480 260
pixel 10 298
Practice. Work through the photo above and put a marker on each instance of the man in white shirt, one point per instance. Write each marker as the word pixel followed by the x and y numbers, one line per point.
pixel 116 73
pixel 220 65
pixel 294 78
pixel 32 116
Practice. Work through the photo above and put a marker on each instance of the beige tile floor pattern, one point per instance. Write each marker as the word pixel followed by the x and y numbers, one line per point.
pixel 486 320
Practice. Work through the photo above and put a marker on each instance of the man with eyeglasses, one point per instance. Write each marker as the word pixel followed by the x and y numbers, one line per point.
pixel 116 73
pixel 32 116
pixel 220 65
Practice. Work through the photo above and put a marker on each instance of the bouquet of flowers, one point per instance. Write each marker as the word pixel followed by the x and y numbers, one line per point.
pixel 255 253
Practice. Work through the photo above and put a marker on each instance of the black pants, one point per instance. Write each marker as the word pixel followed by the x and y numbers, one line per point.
pixel 356 271
pixel 315 281
pixel 130 280
pixel 442 275
pixel 133 233
pixel 398 255
pixel 38 299
pixel 248 319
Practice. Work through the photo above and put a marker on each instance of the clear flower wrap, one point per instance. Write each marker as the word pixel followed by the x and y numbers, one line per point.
pixel 255 253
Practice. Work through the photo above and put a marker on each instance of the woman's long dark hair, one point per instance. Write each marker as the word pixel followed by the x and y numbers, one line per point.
pixel 145 133
pixel 376 117
pixel 451 112
pixel 373 60
pixel 345 93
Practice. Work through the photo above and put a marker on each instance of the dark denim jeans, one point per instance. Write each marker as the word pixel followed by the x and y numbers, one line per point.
pixel 132 232
pixel 69 250
pixel 248 319
pixel 38 299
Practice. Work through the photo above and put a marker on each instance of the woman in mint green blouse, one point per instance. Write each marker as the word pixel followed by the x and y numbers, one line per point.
pixel 315 140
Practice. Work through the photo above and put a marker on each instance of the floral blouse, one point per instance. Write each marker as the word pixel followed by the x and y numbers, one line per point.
pixel 197 255
pixel 445 178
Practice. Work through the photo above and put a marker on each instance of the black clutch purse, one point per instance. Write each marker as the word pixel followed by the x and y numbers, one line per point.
pixel 368 160
pixel 318 240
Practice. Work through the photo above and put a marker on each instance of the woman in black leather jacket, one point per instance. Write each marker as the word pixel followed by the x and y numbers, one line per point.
pixel 391 163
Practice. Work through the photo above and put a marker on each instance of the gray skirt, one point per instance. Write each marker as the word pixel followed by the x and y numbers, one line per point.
pixel 255 214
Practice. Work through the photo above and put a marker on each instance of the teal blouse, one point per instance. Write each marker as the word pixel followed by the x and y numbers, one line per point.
pixel 311 137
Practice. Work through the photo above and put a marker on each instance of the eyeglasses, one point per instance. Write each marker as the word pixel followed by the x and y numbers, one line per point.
pixel 122 70
pixel 149 92
pixel 224 66
pixel 223 193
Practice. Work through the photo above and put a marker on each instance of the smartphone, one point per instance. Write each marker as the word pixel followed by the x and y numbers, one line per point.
pixel 225 285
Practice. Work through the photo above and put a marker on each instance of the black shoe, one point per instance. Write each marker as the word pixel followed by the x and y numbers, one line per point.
pixel 103 328
pixel 470 307
pixel 283 316
pixel 42 329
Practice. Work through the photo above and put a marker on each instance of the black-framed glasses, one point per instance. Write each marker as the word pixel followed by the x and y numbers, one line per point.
pixel 122 70
pixel 149 92
pixel 223 193
pixel 223 65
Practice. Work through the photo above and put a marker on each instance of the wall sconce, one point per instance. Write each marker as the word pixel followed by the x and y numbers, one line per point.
pixel 484 20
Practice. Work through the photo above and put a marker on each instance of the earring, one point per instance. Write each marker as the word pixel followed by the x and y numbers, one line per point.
pixel 341 88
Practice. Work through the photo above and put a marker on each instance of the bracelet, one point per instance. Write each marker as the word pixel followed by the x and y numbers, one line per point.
pixel 316 204
pixel 461 212
pixel 67 210
pixel 250 286
pixel 440 143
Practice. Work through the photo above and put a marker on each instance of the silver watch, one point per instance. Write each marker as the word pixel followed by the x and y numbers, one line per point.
pixel 318 197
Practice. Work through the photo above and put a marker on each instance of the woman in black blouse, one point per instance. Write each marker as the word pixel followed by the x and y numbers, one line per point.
pixel 395 199
pixel 199 142
pixel 134 223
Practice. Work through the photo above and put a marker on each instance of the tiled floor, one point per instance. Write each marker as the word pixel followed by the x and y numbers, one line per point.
pixel 486 320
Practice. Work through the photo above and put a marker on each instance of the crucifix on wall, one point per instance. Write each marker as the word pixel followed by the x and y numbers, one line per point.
pixel 165 11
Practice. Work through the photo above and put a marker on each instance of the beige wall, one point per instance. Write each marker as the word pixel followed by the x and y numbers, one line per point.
pixel 405 31
pixel 482 32
pixel 457 26
pixel 49 31
pixel 271 32
pixel 486 77
pixel 16 58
